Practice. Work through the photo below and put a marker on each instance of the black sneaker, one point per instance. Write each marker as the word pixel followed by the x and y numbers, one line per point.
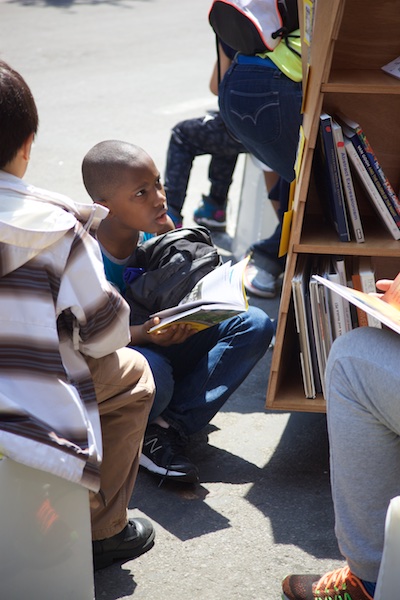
pixel 161 455
pixel 135 539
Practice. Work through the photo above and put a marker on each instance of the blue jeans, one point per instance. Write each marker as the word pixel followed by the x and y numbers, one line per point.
pixel 196 137
pixel 261 108
pixel 194 379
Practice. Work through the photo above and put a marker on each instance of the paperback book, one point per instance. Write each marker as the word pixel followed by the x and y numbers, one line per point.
pixel 382 209
pixel 347 182
pixel 328 178
pixel 385 308
pixel 219 295
pixel 356 134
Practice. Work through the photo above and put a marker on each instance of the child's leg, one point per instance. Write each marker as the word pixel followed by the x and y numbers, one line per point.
pixel 124 389
pixel 363 382
pixel 211 365
pixel 196 137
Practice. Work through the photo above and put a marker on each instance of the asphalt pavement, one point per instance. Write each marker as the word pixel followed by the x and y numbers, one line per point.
pixel 129 70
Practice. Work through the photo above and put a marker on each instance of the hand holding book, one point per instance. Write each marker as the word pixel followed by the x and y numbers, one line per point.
pixel 385 308
pixel 219 295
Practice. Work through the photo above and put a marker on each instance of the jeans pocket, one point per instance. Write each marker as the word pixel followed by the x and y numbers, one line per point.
pixel 256 115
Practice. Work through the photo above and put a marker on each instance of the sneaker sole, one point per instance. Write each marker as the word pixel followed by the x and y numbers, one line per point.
pixel 190 477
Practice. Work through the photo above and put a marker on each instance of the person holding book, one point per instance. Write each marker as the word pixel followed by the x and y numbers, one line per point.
pixel 74 399
pixel 363 411
pixel 195 373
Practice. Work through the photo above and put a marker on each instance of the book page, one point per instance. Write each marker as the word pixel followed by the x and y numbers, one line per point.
pixel 386 313
pixel 223 284
pixel 222 288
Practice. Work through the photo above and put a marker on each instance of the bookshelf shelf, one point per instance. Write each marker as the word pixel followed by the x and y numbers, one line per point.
pixel 351 40
pixel 361 81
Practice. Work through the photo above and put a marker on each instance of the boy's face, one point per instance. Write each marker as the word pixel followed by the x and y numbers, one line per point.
pixel 139 202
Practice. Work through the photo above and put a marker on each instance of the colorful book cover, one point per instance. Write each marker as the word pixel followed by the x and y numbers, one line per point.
pixel 378 176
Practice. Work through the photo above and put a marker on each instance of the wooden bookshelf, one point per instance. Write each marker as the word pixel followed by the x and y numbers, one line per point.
pixel 351 40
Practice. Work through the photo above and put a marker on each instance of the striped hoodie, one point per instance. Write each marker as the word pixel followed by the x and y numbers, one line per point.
pixel 56 307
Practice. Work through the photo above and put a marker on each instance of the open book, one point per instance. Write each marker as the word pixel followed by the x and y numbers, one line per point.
pixel 219 295
pixel 385 308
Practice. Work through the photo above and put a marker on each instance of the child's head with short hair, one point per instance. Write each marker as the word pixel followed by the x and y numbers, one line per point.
pixel 19 119
pixel 124 178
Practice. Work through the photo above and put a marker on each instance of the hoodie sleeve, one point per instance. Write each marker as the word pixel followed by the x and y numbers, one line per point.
pixel 100 314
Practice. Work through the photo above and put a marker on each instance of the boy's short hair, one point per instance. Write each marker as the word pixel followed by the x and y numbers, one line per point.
pixel 18 113
pixel 104 166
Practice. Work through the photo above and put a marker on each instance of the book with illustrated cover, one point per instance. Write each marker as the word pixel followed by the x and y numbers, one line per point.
pixel 356 134
pixel 347 182
pixel 385 308
pixel 219 295
pixel 377 201
pixel 328 178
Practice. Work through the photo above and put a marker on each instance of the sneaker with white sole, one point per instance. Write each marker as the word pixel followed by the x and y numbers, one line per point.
pixel 161 455
pixel 261 275
pixel 210 215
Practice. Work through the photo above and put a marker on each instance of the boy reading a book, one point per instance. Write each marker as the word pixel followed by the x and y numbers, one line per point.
pixel 195 373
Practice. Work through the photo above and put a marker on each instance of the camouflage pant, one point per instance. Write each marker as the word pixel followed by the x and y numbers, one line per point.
pixel 196 137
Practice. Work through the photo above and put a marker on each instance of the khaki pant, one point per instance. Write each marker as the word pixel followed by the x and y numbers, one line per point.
pixel 125 391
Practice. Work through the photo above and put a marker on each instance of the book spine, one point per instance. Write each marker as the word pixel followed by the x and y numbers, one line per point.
pixel 341 270
pixel 367 280
pixel 364 157
pixel 361 314
pixel 337 308
pixel 348 185
pixel 334 182
pixel 378 170
pixel 373 193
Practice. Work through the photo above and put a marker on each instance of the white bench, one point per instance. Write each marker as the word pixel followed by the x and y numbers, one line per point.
pixel 388 584
pixel 45 536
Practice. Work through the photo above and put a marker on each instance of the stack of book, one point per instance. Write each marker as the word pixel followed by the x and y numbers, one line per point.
pixel 343 150
pixel 323 314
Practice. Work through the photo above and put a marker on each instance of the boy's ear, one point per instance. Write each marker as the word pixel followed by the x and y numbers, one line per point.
pixel 27 146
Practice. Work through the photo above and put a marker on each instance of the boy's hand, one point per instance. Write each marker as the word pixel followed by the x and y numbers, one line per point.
pixel 175 334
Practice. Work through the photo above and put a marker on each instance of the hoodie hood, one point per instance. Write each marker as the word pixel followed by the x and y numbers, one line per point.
pixel 32 219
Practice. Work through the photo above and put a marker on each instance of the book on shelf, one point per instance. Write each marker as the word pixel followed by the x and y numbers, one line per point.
pixel 328 178
pixel 377 201
pixel 347 182
pixel 385 308
pixel 339 308
pixel 393 67
pixel 302 311
pixel 363 279
pixel 219 295
pixel 321 320
pixel 356 134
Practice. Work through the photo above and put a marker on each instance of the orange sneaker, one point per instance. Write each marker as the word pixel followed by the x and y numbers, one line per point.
pixel 341 584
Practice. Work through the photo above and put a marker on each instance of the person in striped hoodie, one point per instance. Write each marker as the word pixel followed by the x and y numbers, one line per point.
pixel 74 400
